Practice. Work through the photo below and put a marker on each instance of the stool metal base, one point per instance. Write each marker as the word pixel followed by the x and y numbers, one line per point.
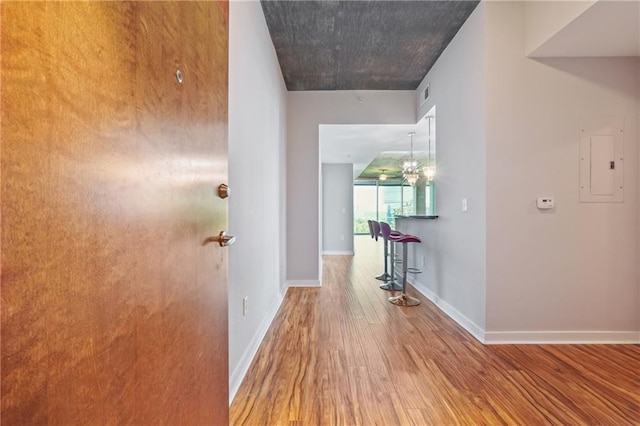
pixel 391 286
pixel 383 277
pixel 404 300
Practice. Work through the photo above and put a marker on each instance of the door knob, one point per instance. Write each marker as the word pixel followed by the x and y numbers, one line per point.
pixel 223 190
pixel 222 238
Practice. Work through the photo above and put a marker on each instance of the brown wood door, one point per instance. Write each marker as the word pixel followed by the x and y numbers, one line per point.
pixel 113 309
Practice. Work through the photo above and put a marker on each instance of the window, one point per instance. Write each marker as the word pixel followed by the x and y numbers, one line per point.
pixel 372 201
pixel 364 206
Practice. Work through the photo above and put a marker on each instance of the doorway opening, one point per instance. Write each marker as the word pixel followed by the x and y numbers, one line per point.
pixel 375 186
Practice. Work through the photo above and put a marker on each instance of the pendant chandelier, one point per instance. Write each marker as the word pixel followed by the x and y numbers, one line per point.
pixel 430 169
pixel 410 167
pixel 382 176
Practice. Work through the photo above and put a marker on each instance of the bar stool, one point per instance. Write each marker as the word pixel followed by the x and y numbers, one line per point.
pixel 376 233
pixel 403 299
pixel 388 235
pixel 374 236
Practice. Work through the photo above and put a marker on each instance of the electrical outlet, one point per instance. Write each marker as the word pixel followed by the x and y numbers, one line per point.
pixel 245 300
pixel 341 237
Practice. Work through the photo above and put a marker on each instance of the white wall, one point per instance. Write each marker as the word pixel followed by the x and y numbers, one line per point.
pixel 337 208
pixel 454 245
pixel 305 112
pixel 566 275
pixel 569 274
pixel 257 143
pixel 606 29
pixel 544 19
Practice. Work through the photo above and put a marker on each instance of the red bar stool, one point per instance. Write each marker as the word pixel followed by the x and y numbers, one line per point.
pixel 388 235
pixel 403 299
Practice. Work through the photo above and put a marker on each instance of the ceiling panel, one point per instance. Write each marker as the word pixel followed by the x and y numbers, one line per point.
pixel 361 45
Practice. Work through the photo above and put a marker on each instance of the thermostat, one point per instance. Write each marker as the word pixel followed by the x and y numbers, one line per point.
pixel 545 203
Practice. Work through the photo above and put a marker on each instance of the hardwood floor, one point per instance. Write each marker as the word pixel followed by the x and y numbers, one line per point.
pixel 342 354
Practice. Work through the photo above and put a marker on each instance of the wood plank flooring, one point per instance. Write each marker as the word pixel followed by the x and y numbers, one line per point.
pixel 343 355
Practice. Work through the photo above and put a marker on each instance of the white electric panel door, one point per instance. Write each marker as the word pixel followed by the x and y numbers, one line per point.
pixel 602 160
pixel 602 164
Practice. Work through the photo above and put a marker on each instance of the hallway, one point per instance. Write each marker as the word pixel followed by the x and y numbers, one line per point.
pixel 341 354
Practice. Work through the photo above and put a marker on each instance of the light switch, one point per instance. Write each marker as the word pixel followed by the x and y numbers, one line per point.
pixel 465 205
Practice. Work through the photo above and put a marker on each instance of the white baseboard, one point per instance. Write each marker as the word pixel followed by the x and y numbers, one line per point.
pixel 529 337
pixel 304 283
pixel 561 337
pixel 337 253
pixel 245 362
pixel 452 312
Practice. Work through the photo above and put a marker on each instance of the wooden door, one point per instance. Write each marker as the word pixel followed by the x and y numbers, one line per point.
pixel 113 309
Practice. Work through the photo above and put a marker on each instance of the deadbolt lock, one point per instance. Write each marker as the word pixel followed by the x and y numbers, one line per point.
pixel 223 190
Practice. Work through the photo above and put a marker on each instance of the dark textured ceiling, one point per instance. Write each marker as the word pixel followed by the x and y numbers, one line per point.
pixel 361 45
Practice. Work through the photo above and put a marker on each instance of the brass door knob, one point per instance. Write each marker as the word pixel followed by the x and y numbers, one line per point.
pixel 223 190
pixel 222 238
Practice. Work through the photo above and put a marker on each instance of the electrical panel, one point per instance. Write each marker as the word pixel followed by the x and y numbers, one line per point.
pixel 602 160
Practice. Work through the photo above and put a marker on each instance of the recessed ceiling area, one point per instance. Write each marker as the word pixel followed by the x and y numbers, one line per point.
pixel 390 163
pixel 361 45
pixel 363 144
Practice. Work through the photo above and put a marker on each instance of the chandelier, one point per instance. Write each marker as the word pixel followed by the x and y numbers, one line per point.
pixel 410 170
pixel 383 175
pixel 430 169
